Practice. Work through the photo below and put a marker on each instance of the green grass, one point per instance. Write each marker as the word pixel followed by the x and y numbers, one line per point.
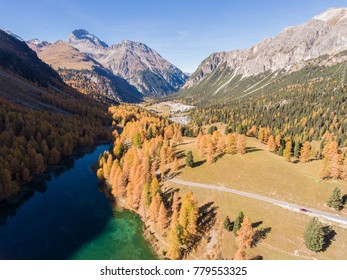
pixel 267 174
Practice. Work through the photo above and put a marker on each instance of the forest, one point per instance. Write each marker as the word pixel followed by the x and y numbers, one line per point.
pixel 144 156
pixel 32 140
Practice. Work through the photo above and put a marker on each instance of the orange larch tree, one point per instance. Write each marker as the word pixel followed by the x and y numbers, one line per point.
pixel 305 152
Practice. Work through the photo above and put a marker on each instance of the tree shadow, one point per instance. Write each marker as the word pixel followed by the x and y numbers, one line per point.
pixel 344 199
pixel 256 224
pixel 182 166
pixel 198 163
pixel 207 216
pixel 179 155
pixel 259 235
pixel 253 149
pixel 219 156
pixel 257 258
pixel 186 143
pixel 167 197
pixel 329 237
pixel 174 174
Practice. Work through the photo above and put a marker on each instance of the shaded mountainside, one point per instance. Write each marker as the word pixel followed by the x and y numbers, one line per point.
pixel 140 65
pixel 84 73
pixel 227 76
pixel 18 58
pixel 42 120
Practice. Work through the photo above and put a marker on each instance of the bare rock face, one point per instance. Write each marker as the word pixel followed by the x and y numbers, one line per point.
pixel 141 66
pixel 291 50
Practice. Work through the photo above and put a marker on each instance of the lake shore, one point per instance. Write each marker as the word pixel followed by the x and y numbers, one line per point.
pixel 150 234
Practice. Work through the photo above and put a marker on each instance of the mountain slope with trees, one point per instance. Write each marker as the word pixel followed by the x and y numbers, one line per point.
pixel 42 120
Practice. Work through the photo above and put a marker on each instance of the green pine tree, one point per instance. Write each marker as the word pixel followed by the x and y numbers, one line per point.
pixel 238 222
pixel 280 151
pixel 228 224
pixel 314 236
pixel 335 200
pixel 189 159
pixel 297 148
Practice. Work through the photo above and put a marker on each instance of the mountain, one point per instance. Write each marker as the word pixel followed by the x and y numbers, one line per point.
pixel 84 73
pixel 236 74
pixel 141 66
pixel 84 39
pixel 42 120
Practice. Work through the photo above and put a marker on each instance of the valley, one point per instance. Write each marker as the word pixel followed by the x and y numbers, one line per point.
pixel 176 112
pixel 110 151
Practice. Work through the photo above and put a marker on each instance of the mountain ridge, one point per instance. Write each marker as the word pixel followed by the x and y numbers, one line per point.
pixel 140 65
pixel 291 50
pixel 84 73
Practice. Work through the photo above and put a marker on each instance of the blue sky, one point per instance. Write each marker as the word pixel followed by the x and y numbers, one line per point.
pixel 184 32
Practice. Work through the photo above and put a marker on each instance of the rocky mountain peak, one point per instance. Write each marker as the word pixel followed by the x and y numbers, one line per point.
pixel 36 44
pixel 82 36
pixel 134 45
pixel 332 15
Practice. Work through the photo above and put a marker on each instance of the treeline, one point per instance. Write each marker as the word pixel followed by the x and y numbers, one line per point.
pixel 31 140
pixel 143 154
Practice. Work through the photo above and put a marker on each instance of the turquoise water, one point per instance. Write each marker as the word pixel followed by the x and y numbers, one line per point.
pixel 69 217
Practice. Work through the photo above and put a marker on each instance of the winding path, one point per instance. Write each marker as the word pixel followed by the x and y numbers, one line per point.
pixel 293 207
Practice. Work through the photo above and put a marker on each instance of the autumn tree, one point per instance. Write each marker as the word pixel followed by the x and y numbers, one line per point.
pixel 240 254
pixel 188 217
pixel 325 169
pixel 155 187
pixel 245 234
pixel 271 144
pixel 175 211
pixel 162 216
pixel 287 153
pixel 174 250
pixel 335 166
pixel 154 208
pixel 174 166
pixel 230 144
pixel 210 153
pixel 221 145
pixel 344 170
pixel 305 152
pixel 278 140
pixel 241 144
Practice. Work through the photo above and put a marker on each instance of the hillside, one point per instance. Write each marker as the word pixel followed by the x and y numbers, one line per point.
pixel 42 120
pixel 228 76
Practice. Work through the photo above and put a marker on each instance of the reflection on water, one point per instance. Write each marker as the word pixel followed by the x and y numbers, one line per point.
pixel 67 216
